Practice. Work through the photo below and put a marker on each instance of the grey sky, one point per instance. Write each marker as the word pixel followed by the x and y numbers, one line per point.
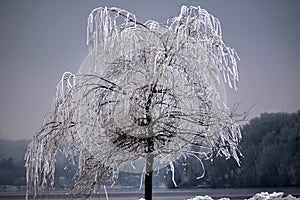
pixel 40 39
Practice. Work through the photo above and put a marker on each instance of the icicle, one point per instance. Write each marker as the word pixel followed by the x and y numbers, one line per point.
pixel 173 173
pixel 229 79
pixel 106 194
pixel 89 28
pixel 132 165
pixel 142 178
pixel 201 163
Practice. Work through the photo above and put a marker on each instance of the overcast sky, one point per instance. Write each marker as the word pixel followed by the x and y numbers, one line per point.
pixel 40 39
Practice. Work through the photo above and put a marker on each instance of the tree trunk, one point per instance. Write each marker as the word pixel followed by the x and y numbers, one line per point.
pixel 149 170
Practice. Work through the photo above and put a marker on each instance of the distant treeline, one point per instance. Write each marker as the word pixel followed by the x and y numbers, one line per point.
pixel 12 170
pixel 271 157
pixel 270 148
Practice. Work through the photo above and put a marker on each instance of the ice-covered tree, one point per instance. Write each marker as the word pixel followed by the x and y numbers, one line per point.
pixel 145 91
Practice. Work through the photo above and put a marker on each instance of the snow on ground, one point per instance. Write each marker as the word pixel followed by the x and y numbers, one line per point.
pixel 258 196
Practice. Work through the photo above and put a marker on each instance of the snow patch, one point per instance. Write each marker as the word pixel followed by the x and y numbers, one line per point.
pixel 258 196
pixel 201 198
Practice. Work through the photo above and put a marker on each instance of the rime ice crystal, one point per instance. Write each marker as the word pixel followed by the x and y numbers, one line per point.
pixel 139 81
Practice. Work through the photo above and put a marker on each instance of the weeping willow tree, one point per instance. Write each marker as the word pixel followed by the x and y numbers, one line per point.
pixel 145 91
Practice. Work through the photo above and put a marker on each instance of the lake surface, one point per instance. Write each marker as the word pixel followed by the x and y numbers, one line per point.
pixel 163 194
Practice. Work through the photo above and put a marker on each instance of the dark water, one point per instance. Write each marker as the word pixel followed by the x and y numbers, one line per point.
pixel 163 194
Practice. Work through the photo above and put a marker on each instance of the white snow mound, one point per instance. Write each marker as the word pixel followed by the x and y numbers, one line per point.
pixel 258 196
